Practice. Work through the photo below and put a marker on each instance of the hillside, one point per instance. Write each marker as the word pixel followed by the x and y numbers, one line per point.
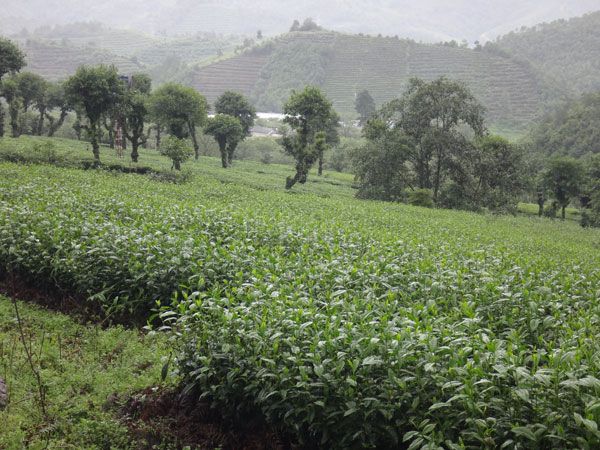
pixel 566 52
pixel 56 61
pixel 345 64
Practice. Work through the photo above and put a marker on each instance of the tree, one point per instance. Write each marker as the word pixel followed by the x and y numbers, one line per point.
pixel 56 98
pixel 332 138
pixel 10 91
pixel 181 109
pixel 95 90
pixel 177 150
pixel 310 115
pixel 236 105
pixel 259 35
pixel 564 178
pixel 33 91
pixel 365 106
pixel 227 131
pixel 434 114
pixel 489 173
pixel 381 165
pixel 135 111
pixel 12 59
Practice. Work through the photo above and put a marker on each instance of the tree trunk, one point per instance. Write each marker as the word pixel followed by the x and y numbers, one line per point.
pixel 94 140
pixel 320 172
pixel 134 150
pixel 157 137
pixel 40 125
pixel 192 130
pixel 55 126
pixel 1 121
pixel 223 149
pixel 230 153
pixel 14 118
pixel 177 164
pixel 564 212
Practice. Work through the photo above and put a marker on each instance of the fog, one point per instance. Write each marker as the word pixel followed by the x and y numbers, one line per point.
pixel 426 20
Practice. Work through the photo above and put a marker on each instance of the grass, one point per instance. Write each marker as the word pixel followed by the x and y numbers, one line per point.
pixel 86 370
pixel 345 323
pixel 530 209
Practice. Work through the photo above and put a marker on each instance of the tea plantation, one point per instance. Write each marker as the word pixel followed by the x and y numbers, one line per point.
pixel 343 323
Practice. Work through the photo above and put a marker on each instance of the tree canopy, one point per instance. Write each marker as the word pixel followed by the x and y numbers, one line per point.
pixel 95 90
pixel 227 131
pixel 12 59
pixel 181 109
pixel 310 115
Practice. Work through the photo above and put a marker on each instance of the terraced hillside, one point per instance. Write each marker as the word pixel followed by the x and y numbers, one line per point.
pixel 56 61
pixel 567 52
pixel 345 64
pixel 239 74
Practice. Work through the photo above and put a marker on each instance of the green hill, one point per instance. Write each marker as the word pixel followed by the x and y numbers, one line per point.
pixel 57 61
pixel 565 52
pixel 345 64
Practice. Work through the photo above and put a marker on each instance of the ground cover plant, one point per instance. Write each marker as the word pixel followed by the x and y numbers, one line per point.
pixel 344 322
pixel 85 372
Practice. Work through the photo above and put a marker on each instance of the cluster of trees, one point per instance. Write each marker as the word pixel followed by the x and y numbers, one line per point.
pixel 571 129
pixel 566 180
pixel 431 145
pixel 103 101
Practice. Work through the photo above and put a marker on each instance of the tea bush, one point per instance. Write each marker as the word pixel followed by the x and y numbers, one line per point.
pixel 346 323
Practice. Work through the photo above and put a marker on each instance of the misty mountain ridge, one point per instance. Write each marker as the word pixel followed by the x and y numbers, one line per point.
pixel 429 20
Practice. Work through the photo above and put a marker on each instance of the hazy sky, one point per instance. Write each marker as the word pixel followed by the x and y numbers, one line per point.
pixel 428 20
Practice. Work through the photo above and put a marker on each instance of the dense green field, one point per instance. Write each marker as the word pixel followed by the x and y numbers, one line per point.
pixel 342 322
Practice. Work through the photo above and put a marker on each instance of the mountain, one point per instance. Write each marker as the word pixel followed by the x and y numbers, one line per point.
pixel 344 64
pixel 427 20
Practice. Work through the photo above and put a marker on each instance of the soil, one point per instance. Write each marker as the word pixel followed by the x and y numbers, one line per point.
pixel 157 417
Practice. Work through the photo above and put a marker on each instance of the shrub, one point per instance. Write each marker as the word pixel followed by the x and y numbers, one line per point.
pixel 421 197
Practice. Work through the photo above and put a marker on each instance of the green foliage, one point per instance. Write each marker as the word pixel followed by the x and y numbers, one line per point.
pixel 564 179
pixel 228 131
pixel 565 53
pixel 573 129
pixel 364 106
pixel 381 165
pixel 490 174
pixel 345 323
pixel 135 111
pixel 181 109
pixel 12 59
pixel 96 90
pixel 421 197
pixel 236 105
pixel 82 367
pixel 314 122
pixel 422 140
pixel 177 150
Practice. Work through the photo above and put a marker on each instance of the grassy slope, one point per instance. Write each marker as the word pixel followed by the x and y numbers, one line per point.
pixel 81 367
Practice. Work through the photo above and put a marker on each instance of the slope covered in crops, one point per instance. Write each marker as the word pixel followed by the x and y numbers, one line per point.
pixel 567 52
pixel 345 64
pixel 342 322
pixel 57 61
